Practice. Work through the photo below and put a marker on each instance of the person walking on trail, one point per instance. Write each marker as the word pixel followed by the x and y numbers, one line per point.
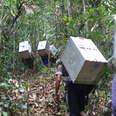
pixel 77 94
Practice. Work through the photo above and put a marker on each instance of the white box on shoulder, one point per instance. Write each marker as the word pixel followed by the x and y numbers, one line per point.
pixel 43 47
pixel 53 50
pixel 24 49
pixel 83 61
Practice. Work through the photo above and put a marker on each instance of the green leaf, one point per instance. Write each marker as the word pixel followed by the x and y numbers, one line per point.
pixel 4 85
pixel 12 12
pixel 70 22
pixel 1 103
pixel 102 92
pixel 26 84
pixel 23 106
pixel 4 113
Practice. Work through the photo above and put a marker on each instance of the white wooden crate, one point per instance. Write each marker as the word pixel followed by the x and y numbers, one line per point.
pixel 43 47
pixel 83 61
pixel 24 49
pixel 53 50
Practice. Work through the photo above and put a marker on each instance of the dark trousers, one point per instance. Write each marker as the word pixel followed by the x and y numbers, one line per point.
pixel 77 96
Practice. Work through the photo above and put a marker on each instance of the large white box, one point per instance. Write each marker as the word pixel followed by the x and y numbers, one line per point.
pixel 83 61
pixel 43 47
pixel 53 50
pixel 25 49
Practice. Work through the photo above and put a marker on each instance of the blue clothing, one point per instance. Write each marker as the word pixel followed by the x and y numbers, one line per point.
pixel 114 95
pixel 45 59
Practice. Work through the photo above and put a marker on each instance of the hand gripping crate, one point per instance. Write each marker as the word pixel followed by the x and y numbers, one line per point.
pixel 43 48
pixel 25 49
pixel 83 60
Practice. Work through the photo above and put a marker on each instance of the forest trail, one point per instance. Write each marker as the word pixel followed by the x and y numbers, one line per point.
pixel 41 95
pixel 36 94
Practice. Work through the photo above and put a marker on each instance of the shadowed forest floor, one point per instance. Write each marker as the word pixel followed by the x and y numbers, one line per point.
pixel 35 94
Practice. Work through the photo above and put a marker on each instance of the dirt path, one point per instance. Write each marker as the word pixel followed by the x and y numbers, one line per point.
pixel 41 97
pixel 36 92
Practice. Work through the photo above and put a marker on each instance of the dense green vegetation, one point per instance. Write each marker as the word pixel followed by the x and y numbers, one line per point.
pixel 55 21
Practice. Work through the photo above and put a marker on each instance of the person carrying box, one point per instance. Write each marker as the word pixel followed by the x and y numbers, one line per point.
pixel 80 68
pixel 76 94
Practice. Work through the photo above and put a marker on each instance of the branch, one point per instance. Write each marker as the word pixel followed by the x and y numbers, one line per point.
pixel 18 14
pixel 93 27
